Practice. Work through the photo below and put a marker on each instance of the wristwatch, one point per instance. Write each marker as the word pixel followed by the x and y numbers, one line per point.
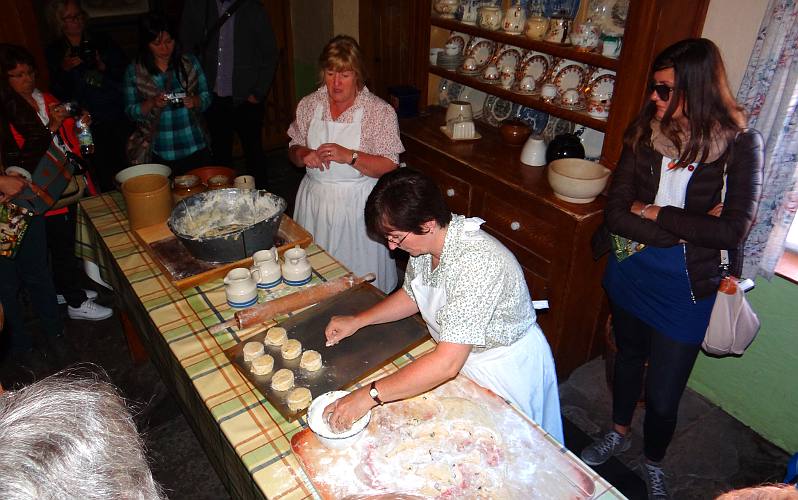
pixel 374 393
pixel 354 158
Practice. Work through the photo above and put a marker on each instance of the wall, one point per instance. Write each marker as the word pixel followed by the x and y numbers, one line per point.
pixel 312 27
pixel 758 388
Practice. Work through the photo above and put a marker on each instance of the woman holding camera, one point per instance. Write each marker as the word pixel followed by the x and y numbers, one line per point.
pixel 165 94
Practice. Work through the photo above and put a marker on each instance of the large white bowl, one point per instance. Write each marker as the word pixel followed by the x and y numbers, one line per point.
pixel 576 180
pixel 142 169
pixel 323 432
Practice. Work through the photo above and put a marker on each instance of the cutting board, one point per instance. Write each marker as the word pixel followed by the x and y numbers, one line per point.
pixel 186 271
pixel 344 363
pixel 457 441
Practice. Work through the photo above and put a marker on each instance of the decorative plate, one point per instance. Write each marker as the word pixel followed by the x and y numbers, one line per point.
pixel 602 87
pixel 558 64
pixel 497 110
pixel 482 52
pixel 443 92
pixel 555 127
pixel 454 90
pixel 592 141
pixel 570 77
pixel 476 98
pixel 536 67
pixel 509 57
pixel 535 119
pixel 460 39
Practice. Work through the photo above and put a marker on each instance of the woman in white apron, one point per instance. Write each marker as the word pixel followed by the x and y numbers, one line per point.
pixel 471 292
pixel 346 138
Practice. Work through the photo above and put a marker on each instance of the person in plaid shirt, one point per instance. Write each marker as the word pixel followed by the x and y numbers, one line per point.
pixel 165 94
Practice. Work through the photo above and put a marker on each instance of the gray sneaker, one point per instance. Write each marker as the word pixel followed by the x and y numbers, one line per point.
pixel 655 482
pixel 601 450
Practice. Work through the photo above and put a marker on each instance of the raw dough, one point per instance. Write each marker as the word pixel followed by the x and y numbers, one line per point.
pixel 283 380
pixel 276 335
pixel 252 350
pixel 299 399
pixel 262 365
pixel 311 361
pixel 291 349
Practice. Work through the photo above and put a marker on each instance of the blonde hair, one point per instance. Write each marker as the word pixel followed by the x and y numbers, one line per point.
pixel 779 491
pixel 55 9
pixel 342 53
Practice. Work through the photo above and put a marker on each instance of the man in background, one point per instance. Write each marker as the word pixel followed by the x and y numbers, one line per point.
pixel 236 46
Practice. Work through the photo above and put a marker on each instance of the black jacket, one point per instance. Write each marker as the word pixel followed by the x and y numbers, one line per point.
pixel 255 48
pixel 637 178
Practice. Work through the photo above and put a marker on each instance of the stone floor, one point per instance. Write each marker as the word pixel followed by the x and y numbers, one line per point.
pixel 711 451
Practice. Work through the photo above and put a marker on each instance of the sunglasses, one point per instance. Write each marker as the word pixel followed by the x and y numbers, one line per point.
pixel 662 90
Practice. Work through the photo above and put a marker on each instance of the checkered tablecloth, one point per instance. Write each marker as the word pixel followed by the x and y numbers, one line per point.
pixel 245 438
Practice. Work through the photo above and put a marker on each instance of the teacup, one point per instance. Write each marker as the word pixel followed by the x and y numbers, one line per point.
pixel 469 64
pixel 548 92
pixel 490 73
pixel 598 108
pixel 266 268
pixel 241 288
pixel 570 97
pixel 296 268
pixel 452 49
pixel 527 84
pixel 611 45
pixel 507 77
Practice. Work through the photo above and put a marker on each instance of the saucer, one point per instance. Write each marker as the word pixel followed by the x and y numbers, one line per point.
pixel 573 107
pixel 448 134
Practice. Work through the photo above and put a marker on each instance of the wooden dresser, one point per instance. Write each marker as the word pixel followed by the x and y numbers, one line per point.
pixel 550 238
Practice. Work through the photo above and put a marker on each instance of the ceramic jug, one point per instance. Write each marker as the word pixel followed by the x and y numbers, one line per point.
pixel 514 19
pixel 534 152
pixel 241 288
pixel 266 268
pixel 296 268
pixel 490 17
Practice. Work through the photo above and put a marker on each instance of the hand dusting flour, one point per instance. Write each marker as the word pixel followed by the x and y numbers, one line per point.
pixel 457 441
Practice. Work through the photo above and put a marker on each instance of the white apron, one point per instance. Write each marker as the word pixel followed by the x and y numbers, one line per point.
pixel 522 373
pixel 330 203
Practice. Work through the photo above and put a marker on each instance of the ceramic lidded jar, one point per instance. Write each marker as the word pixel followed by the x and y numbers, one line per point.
pixel 296 268
pixel 514 19
pixel 490 17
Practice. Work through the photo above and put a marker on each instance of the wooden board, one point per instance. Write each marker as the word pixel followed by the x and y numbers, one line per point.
pixel 186 271
pixel 459 440
pixel 344 363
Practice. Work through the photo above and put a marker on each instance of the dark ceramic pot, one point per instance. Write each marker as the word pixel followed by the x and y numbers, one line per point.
pixel 514 132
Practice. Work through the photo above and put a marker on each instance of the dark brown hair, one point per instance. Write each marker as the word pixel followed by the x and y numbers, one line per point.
pixel 404 199
pixel 702 88
pixel 342 53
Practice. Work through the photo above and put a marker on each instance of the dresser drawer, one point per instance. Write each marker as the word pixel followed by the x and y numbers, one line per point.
pixel 533 232
pixel 456 191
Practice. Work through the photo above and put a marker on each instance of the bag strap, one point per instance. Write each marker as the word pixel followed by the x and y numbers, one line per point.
pixel 218 24
pixel 724 254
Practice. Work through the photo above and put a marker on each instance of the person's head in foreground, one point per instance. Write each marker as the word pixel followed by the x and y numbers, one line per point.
pixel 71 435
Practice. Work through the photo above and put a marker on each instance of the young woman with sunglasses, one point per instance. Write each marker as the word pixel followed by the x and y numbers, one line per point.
pixel 669 219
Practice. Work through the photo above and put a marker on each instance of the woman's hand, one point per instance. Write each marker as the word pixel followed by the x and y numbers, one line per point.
pixel 311 159
pixel 333 152
pixel 716 210
pixel 645 210
pixel 158 101
pixel 11 185
pixel 191 101
pixel 57 116
pixel 339 328
pixel 343 412
pixel 69 62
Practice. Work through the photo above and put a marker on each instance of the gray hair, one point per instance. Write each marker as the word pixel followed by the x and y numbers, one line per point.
pixel 71 435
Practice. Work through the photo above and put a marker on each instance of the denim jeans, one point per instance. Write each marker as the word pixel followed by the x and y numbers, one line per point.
pixel 669 365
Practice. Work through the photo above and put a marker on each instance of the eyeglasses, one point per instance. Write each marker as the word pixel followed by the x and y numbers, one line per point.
pixel 392 239
pixel 662 90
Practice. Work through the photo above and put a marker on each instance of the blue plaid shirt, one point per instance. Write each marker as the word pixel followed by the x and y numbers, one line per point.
pixel 179 135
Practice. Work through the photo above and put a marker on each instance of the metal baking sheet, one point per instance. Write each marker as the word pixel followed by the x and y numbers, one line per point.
pixel 348 361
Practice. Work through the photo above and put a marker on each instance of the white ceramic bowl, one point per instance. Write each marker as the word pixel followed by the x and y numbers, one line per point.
pixel 323 432
pixel 142 169
pixel 576 180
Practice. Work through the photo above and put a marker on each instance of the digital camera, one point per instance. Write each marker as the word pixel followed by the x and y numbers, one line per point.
pixel 175 99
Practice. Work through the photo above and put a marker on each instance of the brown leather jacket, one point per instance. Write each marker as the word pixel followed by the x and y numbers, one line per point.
pixel 637 178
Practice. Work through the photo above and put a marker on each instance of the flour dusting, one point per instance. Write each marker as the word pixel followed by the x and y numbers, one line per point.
pixel 223 212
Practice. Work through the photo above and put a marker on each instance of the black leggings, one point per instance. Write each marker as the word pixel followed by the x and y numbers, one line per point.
pixel 669 365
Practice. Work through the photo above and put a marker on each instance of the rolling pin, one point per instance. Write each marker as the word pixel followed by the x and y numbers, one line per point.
pixel 262 313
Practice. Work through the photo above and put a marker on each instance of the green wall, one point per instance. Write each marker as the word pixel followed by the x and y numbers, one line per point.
pixel 761 388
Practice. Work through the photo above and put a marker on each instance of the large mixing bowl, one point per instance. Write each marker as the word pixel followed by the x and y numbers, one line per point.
pixel 226 225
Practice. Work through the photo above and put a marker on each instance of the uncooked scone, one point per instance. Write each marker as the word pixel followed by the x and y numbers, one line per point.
pixel 311 361
pixel 283 379
pixel 291 349
pixel 276 335
pixel 252 350
pixel 299 399
pixel 262 365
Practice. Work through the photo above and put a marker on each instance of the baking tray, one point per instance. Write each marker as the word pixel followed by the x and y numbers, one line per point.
pixel 344 363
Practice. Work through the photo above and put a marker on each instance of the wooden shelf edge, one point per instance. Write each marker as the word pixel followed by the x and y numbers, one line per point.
pixel 522 41
pixel 580 117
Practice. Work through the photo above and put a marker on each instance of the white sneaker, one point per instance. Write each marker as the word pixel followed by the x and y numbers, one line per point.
pixel 90 310
pixel 90 294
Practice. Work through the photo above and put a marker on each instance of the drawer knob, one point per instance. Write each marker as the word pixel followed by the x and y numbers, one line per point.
pixel 515 225
pixel 450 192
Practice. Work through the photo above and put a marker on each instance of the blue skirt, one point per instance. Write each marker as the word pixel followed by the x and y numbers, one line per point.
pixel 654 286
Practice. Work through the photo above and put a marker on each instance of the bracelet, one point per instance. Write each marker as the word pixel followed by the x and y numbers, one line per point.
pixel 643 211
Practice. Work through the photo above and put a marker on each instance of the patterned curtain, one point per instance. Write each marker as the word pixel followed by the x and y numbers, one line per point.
pixel 769 92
